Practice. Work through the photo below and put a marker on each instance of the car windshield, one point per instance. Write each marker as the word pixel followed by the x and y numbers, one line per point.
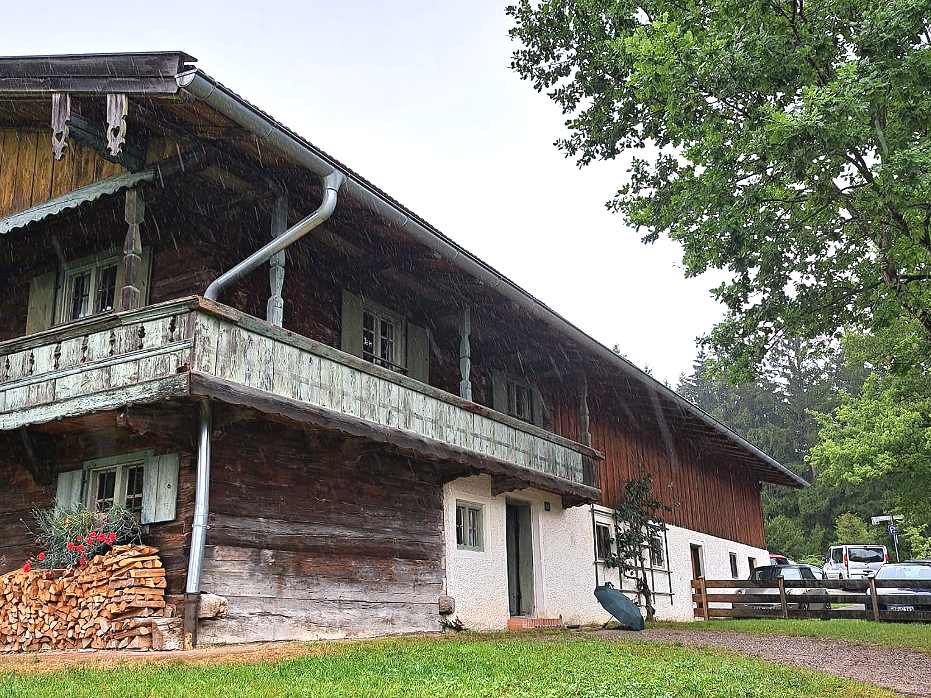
pixel 904 572
pixel 865 555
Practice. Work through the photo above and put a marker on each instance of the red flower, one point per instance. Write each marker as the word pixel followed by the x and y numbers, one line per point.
pixel 78 539
pixel 101 538
pixel 82 562
pixel 111 537
pixel 27 567
pixel 91 536
pixel 48 575
pixel 79 548
pixel 41 556
pixel 70 545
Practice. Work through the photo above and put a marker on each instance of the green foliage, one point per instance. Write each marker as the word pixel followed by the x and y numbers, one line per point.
pixel 63 534
pixel 638 526
pixel 881 437
pixel 851 529
pixel 466 666
pixel 786 143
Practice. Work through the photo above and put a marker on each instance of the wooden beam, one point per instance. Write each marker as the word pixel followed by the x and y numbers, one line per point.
pixel 502 483
pixel 274 310
pixel 130 295
pixel 465 354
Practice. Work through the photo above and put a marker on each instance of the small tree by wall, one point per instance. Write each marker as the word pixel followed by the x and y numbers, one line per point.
pixel 638 526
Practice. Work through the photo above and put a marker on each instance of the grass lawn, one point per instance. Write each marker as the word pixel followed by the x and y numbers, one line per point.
pixel 915 636
pixel 459 666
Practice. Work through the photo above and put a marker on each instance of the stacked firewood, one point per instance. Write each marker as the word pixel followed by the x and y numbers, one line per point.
pixel 111 603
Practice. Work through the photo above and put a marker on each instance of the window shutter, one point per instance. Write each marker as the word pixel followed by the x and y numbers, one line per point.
pixel 538 406
pixel 160 488
pixel 68 489
pixel 351 324
pixel 41 302
pixel 145 271
pixel 418 353
pixel 499 392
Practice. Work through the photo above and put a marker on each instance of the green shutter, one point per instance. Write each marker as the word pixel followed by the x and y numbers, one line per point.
pixel 538 407
pixel 351 324
pixel 41 302
pixel 160 488
pixel 418 353
pixel 68 489
pixel 499 394
pixel 145 271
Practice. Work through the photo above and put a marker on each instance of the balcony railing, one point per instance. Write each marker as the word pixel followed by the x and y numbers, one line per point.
pixel 150 354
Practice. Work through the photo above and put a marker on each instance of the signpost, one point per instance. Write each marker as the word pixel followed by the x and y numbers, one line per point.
pixel 891 529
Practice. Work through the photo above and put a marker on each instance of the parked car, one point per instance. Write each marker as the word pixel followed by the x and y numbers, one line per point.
pixel 772 573
pixel 854 560
pixel 817 571
pixel 917 599
pixel 776 559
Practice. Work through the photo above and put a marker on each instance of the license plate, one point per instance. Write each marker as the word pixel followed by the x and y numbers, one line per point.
pixel 901 608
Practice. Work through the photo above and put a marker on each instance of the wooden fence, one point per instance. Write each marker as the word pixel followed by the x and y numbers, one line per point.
pixel 718 598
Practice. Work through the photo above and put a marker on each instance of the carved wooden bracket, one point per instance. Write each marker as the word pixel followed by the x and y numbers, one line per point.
pixel 117 109
pixel 61 115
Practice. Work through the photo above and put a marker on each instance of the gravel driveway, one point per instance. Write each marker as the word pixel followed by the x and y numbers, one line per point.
pixel 900 670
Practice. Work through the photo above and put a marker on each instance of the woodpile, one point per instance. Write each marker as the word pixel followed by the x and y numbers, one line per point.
pixel 109 604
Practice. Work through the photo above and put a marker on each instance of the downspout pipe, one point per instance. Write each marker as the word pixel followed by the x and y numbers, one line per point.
pixel 331 184
pixel 199 528
pixel 198 85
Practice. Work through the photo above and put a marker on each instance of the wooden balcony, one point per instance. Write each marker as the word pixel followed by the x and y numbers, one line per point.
pixel 195 347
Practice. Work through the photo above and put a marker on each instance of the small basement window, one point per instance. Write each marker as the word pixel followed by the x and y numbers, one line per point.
pixel 469 530
pixel 734 572
pixel 603 548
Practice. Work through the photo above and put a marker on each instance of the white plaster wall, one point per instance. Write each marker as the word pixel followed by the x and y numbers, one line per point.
pixel 564 570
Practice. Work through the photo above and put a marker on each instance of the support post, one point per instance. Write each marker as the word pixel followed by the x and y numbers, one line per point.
pixel 274 311
pixel 465 354
pixel 584 415
pixel 782 598
pixel 130 295
pixel 874 598
pixel 61 116
pixel 704 597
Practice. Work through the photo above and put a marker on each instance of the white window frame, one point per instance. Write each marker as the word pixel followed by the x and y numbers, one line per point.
pixel 398 361
pixel 120 464
pixel 610 550
pixel 466 506
pixel 70 271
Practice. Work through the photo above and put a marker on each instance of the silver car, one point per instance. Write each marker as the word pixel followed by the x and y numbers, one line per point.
pixel 772 573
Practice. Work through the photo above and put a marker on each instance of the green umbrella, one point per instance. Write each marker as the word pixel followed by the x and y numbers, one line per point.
pixel 619 606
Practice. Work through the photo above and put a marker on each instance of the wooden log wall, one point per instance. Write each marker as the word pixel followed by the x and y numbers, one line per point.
pixel 167 429
pixel 317 537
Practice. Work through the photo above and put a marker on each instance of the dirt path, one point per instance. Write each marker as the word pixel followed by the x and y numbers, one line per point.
pixel 901 670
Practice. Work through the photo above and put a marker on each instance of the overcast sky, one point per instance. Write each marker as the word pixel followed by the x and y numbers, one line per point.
pixel 418 98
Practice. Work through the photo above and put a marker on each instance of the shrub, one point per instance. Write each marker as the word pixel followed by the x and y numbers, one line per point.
pixel 68 536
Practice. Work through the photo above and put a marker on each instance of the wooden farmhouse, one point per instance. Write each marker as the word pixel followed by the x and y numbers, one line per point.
pixel 321 408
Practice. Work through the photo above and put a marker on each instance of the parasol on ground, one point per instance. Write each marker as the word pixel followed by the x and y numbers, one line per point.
pixel 619 606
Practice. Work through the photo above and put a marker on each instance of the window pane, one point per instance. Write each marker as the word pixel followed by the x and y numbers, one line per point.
pixel 106 289
pixel 106 486
pixel 134 489
pixel 80 295
pixel 386 350
pixel 473 528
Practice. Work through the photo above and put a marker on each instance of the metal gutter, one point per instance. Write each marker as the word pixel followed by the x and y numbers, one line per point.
pixel 204 88
pixel 199 527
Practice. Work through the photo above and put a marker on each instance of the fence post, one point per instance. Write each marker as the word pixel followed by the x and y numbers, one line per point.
pixel 874 598
pixel 782 598
pixel 704 597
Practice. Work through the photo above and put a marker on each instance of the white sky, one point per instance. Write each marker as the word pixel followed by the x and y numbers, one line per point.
pixel 419 98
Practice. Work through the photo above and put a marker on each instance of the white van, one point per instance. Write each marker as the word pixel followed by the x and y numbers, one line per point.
pixel 854 560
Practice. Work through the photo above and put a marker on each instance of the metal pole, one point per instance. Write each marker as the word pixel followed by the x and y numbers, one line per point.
pixel 199 527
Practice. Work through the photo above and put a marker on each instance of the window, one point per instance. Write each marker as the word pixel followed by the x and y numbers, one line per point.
pixel 519 399
pixel 734 571
pixel 837 555
pixel 751 562
pixel 88 288
pixel 143 482
pixel 469 526
pixel 658 552
pixel 602 541
pixel 382 339
pixel 117 480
